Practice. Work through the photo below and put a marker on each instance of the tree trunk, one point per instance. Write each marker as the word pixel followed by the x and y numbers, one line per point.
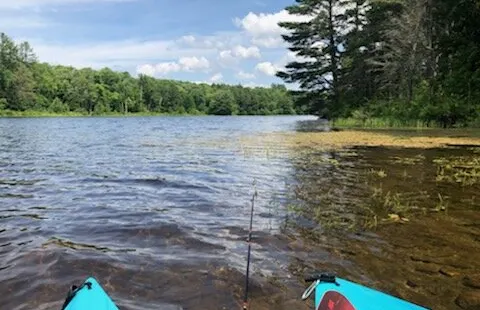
pixel 333 52
pixel 431 58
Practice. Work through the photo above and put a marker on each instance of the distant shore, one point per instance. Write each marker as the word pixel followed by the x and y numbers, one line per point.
pixel 8 113
pixel 29 113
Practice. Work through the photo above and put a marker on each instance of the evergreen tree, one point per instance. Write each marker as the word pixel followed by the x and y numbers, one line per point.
pixel 400 59
pixel 317 41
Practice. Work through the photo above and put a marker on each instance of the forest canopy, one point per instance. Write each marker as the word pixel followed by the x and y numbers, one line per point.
pixel 28 85
pixel 406 60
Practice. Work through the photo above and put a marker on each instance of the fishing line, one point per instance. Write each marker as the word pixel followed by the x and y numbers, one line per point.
pixel 249 239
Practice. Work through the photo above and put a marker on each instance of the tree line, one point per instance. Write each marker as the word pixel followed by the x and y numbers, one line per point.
pixel 399 59
pixel 28 85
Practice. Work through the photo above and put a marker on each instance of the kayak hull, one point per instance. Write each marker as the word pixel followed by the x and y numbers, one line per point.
pixel 359 296
pixel 93 298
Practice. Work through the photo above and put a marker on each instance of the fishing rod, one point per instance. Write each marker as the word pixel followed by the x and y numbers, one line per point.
pixel 249 239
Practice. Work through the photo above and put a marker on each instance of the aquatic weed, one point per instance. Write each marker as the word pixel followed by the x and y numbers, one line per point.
pixel 408 160
pixel 376 191
pixel 442 204
pixel 379 173
pixel 461 170
pixel 475 150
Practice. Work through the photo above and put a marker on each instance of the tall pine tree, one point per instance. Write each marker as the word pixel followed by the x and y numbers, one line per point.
pixel 318 43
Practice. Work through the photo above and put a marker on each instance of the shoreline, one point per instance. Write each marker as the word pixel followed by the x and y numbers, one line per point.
pixel 35 114
pixel 389 123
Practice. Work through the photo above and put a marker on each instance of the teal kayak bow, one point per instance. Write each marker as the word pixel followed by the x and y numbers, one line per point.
pixel 89 296
pixel 332 293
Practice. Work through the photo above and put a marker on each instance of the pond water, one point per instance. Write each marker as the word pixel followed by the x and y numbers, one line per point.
pixel 157 209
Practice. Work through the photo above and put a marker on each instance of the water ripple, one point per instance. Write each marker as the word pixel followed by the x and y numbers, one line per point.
pixel 144 201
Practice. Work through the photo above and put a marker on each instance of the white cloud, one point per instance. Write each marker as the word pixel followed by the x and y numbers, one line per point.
pixel 291 57
pixel 216 78
pixel 105 53
pixel 193 63
pixel 188 64
pixel 264 28
pixel 261 24
pixel 245 75
pixel 246 52
pixel 146 70
pixel 253 85
pixel 123 54
pixel 225 54
pixel 269 42
pixel 165 68
pixel 189 52
pixel 162 68
pixel 219 40
pixel 135 55
pixel 188 39
pixel 267 68
pixel 239 52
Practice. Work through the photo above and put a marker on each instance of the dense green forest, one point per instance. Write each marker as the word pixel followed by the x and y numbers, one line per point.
pixel 28 85
pixel 401 61
pixel 404 61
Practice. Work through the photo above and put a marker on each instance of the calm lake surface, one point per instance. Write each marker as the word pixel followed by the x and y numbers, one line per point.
pixel 157 209
pixel 152 207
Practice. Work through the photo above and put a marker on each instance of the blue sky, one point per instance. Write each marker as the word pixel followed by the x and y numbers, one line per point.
pixel 197 40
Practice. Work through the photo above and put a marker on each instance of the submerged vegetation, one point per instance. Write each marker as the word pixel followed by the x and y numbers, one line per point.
pixel 378 173
pixel 460 170
pixel 418 191
pixel 363 179
pixel 408 160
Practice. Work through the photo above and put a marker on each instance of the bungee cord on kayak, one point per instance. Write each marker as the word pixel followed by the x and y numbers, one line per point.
pixel 73 291
pixel 89 296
